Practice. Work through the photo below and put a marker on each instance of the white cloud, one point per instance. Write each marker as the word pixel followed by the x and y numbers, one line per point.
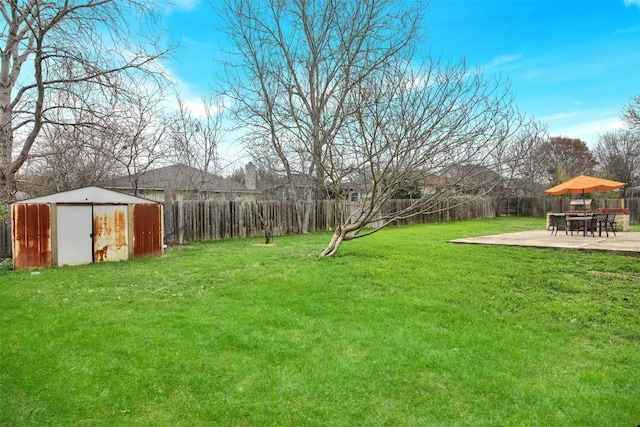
pixel 631 2
pixel 504 59
pixel 177 5
pixel 186 4
pixel 503 62
pixel 560 116
pixel 587 131
pixel 191 101
pixel 195 106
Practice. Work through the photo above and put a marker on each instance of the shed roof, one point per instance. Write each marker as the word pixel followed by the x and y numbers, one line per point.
pixel 88 195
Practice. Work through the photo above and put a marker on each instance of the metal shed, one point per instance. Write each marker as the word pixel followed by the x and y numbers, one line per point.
pixel 84 226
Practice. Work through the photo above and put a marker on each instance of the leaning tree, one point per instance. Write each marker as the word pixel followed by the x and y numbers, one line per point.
pixel 335 91
pixel 446 127
pixel 52 51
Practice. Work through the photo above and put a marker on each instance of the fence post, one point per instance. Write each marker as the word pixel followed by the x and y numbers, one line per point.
pixel 180 222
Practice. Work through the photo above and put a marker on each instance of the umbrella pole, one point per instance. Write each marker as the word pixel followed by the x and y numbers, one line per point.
pixel 584 203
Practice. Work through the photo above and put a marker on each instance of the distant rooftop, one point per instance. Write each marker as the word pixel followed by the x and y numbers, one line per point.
pixel 179 177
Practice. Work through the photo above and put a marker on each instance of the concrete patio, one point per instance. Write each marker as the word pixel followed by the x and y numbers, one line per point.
pixel 627 243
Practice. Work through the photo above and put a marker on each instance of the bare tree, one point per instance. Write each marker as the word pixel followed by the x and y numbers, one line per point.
pixel 618 154
pixel 86 148
pixel 140 131
pixel 195 140
pixel 298 62
pixel 514 162
pixel 70 157
pixel 52 50
pixel 631 113
pixel 331 87
pixel 72 151
pixel 530 176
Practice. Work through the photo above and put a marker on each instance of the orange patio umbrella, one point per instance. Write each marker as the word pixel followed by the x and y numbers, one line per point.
pixel 584 184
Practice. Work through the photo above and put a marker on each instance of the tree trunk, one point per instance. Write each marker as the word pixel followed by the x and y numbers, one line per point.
pixel 7 179
pixel 499 203
pixel 334 244
pixel 7 187
pixel 299 208
pixel 308 209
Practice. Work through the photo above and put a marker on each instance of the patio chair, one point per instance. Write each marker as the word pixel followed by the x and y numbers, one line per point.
pixel 597 221
pixel 611 222
pixel 568 226
pixel 555 221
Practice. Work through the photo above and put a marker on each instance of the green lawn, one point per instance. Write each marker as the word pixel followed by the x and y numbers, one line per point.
pixel 400 328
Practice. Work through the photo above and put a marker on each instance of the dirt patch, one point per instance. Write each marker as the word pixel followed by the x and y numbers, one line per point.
pixel 621 275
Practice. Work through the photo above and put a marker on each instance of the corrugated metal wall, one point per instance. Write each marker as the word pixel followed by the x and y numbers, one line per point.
pixel 110 233
pixel 32 235
pixel 147 230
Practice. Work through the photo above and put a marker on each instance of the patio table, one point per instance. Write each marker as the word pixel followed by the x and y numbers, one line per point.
pixel 577 219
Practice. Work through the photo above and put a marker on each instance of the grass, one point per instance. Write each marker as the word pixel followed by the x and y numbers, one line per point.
pixel 401 328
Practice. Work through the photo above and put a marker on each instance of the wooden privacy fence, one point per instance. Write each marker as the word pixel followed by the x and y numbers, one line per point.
pixel 212 220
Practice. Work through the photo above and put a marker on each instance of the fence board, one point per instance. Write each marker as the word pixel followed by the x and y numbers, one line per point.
pixel 5 238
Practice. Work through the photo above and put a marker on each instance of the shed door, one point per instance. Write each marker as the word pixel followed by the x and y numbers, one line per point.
pixel 110 233
pixel 31 235
pixel 147 230
pixel 74 235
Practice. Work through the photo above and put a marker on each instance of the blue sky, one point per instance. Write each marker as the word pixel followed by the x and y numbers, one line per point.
pixel 572 64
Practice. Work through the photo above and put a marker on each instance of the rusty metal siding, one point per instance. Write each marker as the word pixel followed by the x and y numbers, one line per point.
pixel 110 233
pixel 31 235
pixel 147 230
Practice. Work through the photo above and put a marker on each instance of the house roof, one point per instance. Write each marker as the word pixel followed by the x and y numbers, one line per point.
pixel 180 177
pixel 88 195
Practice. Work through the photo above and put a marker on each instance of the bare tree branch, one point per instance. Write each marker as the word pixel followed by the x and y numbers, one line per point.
pixel 631 113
